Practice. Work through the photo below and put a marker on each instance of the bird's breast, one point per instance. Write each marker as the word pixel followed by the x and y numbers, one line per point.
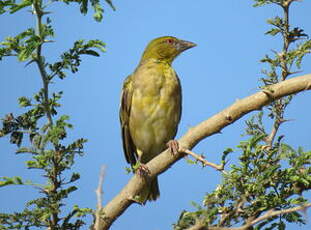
pixel 155 109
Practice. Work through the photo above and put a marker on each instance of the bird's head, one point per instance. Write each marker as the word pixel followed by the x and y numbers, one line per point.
pixel 166 48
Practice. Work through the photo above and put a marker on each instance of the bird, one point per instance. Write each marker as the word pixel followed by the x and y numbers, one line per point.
pixel 151 104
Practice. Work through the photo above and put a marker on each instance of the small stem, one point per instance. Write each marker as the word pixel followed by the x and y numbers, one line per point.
pixel 99 196
pixel 286 41
pixel 270 213
pixel 286 33
pixel 201 159
pixel 269 139
pixel 280 104
pixel 40 61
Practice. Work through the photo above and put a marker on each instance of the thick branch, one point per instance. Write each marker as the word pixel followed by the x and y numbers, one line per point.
pixel 206 128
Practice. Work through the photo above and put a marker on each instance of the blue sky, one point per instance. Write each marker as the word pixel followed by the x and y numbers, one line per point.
pixel 221 69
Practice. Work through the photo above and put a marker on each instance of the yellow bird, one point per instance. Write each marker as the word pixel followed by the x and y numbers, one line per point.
pixel 151 105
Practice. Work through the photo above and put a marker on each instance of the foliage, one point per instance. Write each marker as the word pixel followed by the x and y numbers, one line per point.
pixel 265 179
pixel 271 175
pixel 40 131
pixel 12 6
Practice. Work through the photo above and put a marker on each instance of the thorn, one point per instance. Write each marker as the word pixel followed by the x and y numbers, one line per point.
pixel 285 120
pixel 28 63
pixel 228 118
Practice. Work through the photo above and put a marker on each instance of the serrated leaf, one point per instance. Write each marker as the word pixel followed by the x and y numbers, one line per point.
pixel 189 161
pixel 11 181
pixel 74 177
pixel 111 4
pixel 20 6
pixel 24 101
pixel 273 31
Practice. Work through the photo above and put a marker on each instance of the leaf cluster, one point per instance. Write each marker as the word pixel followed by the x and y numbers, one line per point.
pixel 12 6
pixel 37 213
pixel 23 45
pixel 40 131
pixel 72 59
pixel 265 178
pixel 283 3
pixel 296 45
pixel 48 154
pixel 52 157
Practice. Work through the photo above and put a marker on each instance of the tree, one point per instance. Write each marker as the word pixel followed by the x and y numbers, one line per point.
pixel 45 129
pixel 265 189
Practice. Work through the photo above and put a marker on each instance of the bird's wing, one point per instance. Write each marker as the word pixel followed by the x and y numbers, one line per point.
pixel 180 99
pixel 125 110
pixel 179 94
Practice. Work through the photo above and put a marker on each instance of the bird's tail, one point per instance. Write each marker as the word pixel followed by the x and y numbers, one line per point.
pixel 154 190
pixel 150 193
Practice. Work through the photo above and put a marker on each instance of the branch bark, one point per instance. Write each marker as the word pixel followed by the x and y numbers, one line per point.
pixel 215 124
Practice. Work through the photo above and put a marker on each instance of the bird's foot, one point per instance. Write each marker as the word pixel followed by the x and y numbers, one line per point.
pixel 173 146
pixel 142 170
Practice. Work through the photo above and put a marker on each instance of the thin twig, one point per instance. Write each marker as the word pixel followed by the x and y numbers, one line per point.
pixel 270 213
pixel 37 6
pixel 270 138
pixel 99 196
pixel 199 225
pixel 201 159
pixel 280 105
pixel 237 209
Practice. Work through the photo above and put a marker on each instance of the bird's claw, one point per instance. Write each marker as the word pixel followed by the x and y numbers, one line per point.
pixel 173 146
pixel 143 170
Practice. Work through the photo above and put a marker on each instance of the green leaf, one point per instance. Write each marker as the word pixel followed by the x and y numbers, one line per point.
pixel 189 161
pixel 10 181
pixel 273 31
pixel 83 6
pixel 79 212
pixel 74 177
pixel 24 101
pixel 26 150
pixel 20 6
pixel 110 4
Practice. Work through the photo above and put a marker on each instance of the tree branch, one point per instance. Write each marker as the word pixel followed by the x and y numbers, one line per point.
pixel 201 159
pixel 215 124
pixel 270 213
pixel 37 6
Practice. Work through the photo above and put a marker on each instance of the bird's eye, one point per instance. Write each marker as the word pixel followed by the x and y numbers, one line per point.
pixel 169 41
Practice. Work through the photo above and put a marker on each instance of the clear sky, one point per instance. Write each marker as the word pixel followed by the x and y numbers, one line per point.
pixel 221 69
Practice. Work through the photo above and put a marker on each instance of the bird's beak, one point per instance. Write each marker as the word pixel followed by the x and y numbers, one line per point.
pixel 184 45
